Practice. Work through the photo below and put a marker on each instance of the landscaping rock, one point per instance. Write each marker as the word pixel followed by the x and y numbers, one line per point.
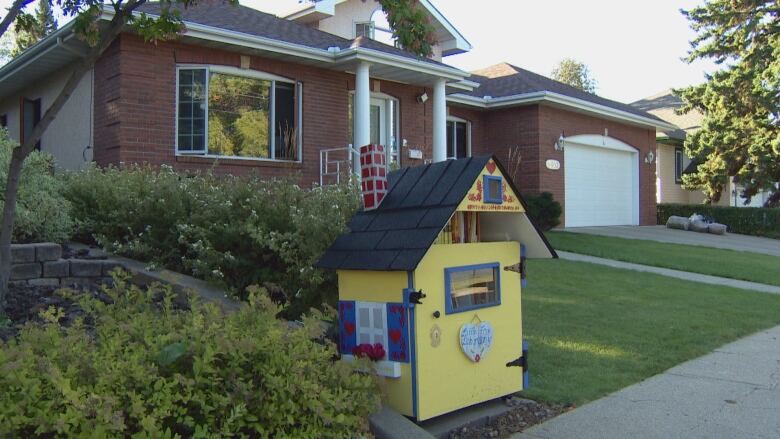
pixel 59 268
pixel 21 253
pixel 25 271
pixel 48 251
pixel 109 266
pixel 76 282
pixel 51 282
pixel 86 268
pixel 699 226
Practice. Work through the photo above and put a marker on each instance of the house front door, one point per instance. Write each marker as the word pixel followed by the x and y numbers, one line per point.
pixel 378 124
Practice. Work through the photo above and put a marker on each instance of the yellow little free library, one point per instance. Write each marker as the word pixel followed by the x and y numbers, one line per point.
pixel 430 285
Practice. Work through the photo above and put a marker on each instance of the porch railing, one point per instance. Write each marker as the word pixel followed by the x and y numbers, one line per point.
pixel 337 163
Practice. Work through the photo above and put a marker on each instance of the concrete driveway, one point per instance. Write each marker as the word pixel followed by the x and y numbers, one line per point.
pixel 731 241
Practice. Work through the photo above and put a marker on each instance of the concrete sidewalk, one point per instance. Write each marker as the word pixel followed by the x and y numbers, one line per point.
pixel 731 241
pixel 685 275
pixel 732 393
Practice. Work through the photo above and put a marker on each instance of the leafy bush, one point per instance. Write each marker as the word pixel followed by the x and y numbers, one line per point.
pixel 236 231
pixel 543 210
pixel 149 365
pixel 41 212
pixel 757 221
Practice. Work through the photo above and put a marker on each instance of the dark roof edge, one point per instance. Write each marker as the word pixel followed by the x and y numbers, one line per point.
pixel 525 206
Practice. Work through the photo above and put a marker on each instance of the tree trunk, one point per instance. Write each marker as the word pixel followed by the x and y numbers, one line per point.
pixel 20 153
pixel 13 11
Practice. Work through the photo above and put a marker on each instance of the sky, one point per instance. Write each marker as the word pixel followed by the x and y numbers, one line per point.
pixel 633 48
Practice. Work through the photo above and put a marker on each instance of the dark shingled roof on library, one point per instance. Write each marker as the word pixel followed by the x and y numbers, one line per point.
pixel 419 202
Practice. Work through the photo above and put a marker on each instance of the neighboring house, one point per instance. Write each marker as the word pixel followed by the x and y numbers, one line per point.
pixel 242 91
pixel 672 162
pixel 596 156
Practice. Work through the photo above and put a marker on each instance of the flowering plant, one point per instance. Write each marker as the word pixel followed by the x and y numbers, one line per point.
pixel 374 352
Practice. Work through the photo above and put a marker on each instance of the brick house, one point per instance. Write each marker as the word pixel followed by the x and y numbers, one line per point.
pixel 242 91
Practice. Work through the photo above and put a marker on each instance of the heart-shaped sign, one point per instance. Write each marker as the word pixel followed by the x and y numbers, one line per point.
pixel 491 166
pixel 475 340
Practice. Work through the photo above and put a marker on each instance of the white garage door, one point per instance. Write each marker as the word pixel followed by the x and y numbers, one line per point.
pixel 601 183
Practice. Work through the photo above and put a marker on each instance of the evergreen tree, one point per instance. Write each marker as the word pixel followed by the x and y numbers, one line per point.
pixel 576 74
pixel 740 133
pixel 32 28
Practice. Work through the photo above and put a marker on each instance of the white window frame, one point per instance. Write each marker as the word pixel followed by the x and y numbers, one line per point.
pixel 679 163
pixel 375 335
pixel 369 23
pixel 454 138
pixel 255 74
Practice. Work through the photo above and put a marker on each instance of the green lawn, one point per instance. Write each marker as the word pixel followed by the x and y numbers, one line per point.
pixel 754 267
pixel 594 329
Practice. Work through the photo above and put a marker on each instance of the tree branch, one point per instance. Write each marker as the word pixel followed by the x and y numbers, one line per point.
pixel 13 11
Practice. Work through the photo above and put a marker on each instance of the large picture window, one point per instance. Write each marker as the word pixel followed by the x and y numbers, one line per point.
pixel 471 287
pixel 231 113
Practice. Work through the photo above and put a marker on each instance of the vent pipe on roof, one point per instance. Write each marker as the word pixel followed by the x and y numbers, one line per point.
pixel 373 172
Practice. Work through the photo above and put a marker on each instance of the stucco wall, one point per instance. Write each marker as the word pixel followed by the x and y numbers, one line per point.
pixel 70 133
pixel 135 101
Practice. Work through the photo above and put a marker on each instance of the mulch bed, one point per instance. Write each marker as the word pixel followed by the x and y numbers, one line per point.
pixel 25 303
pixel 524 414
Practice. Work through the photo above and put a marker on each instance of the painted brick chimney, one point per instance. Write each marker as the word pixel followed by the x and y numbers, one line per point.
pixel 373 172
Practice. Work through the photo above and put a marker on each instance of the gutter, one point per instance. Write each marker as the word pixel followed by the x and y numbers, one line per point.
pixel 557 98
pixel 39 49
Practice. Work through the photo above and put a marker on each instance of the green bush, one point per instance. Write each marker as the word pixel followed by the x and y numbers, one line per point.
pixel 757 221
pixel 236 231
pixel 41 212
pixel 543 210
pixel 151 366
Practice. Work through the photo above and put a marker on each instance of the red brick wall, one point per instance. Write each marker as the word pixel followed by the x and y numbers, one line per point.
pixel 135 99
pixel 553 121
pixel 533 129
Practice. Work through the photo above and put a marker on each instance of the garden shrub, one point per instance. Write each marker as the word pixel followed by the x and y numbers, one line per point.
pixel 759 221
pixel 236 231
pixel 145 363
pixel 543 210
pixel 42 214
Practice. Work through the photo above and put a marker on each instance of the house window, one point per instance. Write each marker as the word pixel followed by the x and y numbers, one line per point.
pixel 458 139
pixel 493 191
pixel 678 165
pixel 229 112
pixel 371 323
pixel 471 287
pixel 31 115
pixel 365 29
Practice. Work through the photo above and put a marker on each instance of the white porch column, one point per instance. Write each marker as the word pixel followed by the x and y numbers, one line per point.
pixel 361 111
pixel 439 121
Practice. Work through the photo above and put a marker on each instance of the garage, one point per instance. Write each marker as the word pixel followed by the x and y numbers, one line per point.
pixel 601 182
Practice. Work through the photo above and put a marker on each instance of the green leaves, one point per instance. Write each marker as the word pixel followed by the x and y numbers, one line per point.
pixel 411 26
pixel 740 134
pixel 171 353
pixel 245 374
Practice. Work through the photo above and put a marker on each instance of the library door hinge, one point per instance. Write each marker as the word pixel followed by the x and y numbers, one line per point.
pixel 517 268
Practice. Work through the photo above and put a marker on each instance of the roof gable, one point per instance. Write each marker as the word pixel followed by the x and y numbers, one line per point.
pixel 419 203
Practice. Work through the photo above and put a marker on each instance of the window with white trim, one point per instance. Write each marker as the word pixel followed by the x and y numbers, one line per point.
pixel 458 138
pixel 365 29
pixel 229 112
pixel 679 165
pixel 371 323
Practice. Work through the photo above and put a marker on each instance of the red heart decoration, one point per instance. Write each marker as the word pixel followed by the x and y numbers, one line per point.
pixel 395 335
pixel 491 166
pixel 349 328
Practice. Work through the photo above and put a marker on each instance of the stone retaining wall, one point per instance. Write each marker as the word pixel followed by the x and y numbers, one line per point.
pixel 42 264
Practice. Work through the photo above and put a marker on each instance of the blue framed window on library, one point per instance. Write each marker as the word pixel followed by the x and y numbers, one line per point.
pixel 493 189
pixel 472 287
pixel 238 113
